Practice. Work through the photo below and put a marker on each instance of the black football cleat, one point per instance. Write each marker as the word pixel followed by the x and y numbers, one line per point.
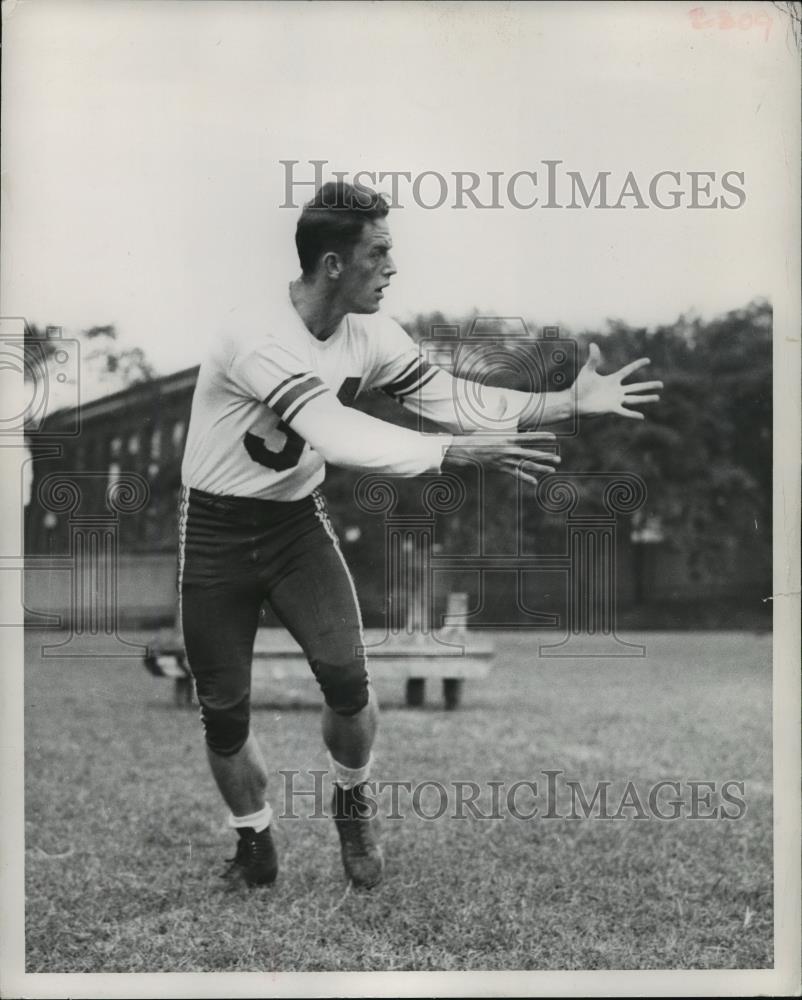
pixel 256 859
pixel 361 854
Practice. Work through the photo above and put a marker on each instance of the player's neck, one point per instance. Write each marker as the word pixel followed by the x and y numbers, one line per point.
pixel 317 307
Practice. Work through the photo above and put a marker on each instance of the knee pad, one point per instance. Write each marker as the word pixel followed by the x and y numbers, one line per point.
pixel 344 685
pixel 226 729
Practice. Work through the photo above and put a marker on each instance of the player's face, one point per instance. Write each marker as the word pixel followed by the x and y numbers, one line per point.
pixel 369 269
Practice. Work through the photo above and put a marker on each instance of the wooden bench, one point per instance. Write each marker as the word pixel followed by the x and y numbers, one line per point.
pixel 452 655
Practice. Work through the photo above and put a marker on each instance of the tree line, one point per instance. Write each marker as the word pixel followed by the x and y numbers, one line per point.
pixel 704 452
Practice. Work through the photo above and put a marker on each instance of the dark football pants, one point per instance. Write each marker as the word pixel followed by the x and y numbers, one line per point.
pixel 234 554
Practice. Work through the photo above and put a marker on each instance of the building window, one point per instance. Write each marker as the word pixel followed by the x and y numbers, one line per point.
pixel 133 444
pixel 115 446
pixel 156 443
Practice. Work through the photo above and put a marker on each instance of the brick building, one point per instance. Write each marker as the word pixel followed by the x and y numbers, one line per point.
pixel 134 438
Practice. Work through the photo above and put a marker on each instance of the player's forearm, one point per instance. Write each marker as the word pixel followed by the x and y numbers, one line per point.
pixel 541 408
pixel 511 409
pixel 354 440
pixel 464 406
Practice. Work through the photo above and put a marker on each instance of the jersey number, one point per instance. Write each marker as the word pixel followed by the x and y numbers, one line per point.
pixel 290 454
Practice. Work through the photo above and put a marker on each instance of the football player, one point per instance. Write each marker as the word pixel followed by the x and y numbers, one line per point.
pixel 270 410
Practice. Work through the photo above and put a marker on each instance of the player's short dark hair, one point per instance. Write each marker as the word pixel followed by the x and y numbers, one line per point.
pixel 333 221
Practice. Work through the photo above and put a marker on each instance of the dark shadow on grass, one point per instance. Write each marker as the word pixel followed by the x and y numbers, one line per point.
pixel 260 706
pixel 386 705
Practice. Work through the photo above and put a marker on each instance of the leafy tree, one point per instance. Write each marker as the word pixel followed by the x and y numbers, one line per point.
pixel 704 451
pixel 110 363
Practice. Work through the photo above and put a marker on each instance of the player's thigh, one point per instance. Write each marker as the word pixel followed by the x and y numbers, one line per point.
pixel 316 601
pixel 219 625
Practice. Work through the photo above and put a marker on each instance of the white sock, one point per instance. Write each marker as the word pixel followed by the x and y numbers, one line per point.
pixel 258 821
pixel 347 777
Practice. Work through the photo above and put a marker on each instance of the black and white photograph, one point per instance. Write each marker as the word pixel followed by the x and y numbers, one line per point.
pixel 400 555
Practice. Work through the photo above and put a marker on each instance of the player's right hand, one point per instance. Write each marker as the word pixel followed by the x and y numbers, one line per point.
pixel 522 455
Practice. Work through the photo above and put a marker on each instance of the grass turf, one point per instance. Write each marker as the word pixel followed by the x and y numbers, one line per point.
pixel 125 834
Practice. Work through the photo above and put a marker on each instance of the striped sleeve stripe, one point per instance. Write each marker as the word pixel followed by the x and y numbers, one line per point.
pixel 294 389
pixel 429 375
pixel 292 411
pixel 408 379
pixel 406 370
pixel 291 380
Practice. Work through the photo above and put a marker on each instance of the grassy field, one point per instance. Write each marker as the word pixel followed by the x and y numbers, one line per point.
pixel 125 835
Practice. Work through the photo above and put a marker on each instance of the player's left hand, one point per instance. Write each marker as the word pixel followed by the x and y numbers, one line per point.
pixel 597 394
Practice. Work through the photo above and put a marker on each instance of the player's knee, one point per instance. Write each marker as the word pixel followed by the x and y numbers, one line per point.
pixel 226 729
pixel 344 685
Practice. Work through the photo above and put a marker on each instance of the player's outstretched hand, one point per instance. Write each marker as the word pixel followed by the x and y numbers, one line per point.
pixel 517 455
pixel 597 394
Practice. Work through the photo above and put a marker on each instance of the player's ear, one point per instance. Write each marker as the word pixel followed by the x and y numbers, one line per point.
pixel 332 265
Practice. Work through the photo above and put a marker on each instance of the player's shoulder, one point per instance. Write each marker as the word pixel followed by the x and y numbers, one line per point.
pixel 266 325
pixel 376 323
pixel 376 330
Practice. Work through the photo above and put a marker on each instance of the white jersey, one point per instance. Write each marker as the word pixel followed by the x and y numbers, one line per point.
pixel 271 406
